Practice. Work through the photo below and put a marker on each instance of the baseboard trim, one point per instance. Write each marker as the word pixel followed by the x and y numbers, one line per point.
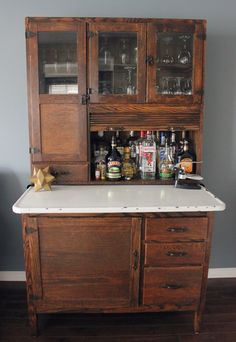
pixel 213 273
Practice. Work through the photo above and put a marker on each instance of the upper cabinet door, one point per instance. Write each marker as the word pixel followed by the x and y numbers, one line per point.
pixel 56 56
pixel 117 69
pixel 175 58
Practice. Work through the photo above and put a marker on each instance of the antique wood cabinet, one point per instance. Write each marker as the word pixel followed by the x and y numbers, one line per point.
pixel 117 263
pixel 110 74
pixel 87 75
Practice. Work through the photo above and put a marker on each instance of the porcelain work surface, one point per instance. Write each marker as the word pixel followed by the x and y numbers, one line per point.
pixel 116 199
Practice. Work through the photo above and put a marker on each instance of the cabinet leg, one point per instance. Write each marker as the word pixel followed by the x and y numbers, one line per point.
pixel 33 323
pixel 197 322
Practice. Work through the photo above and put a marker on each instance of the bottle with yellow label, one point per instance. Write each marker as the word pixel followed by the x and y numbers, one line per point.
pixel 186 159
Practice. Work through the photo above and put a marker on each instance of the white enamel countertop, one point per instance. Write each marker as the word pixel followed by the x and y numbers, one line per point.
pixel 116 199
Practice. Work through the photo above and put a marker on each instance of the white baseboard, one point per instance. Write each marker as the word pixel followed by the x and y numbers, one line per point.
pixel 213 273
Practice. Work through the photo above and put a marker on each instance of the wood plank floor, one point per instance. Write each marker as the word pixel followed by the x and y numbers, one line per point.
pixel 219 321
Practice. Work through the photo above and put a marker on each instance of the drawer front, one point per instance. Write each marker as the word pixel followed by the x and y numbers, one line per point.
pixel 67 173
pixel 176 229
pixel 168 287
pixel 172 254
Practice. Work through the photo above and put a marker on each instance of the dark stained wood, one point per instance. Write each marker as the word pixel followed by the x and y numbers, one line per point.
pixel 174 254
pixel 143 121
pixel 219 320
pixel 176 229
pixel 89 263
pixel 173 287
pixel 66 173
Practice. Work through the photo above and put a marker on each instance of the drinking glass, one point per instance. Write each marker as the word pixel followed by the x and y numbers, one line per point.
pixel 167 58
pixel 130 88
pixel 184 57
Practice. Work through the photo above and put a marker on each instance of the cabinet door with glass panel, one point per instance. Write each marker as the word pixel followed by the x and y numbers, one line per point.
pixel 56 56
pixel 175 58
pixel 117 69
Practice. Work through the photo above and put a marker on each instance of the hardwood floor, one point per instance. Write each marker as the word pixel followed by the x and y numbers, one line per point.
pixel 219 321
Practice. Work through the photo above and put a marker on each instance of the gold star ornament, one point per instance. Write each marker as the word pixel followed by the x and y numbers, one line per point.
pixel 42 179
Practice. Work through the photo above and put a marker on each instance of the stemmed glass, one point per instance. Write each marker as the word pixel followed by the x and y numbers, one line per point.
pixel 167 58
pixel 184 56
pixel 130 88
pixel 124 53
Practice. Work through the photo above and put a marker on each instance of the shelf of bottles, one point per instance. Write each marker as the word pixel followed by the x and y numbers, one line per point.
pixel 117 63
pixel 144 156
pixel 174 64
pixel 58 70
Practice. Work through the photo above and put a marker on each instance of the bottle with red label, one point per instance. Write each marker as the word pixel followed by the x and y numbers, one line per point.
pixel 148 160
pixel 113 163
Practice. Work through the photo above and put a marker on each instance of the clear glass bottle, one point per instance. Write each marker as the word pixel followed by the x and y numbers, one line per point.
pixel 128 166
pixel 166 168
pixel 100 164
pixel 124 52
pixel 173 146
pixel 113 163
pixel 148 162
pixel 163 141
pixel 119 144
pixel 132 142
pixel 139 150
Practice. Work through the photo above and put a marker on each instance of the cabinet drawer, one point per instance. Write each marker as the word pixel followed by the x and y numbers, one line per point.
pixel 67 173
pixel 170 286
pixel 171 254
pixel 176 229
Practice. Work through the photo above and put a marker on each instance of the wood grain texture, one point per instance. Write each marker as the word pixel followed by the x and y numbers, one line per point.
pixel 176 229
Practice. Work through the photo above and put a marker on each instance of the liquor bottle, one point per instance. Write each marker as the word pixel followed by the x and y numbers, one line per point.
pixel 113 163
pixel 166 170
pixel 181 146
pixel 186 159
pixel 132 142
pixel 163 140
pixel 148 161
pixel 100 165
pixel 100 142
pixel 139 150
pixel 173 146
pixel 128 166
pixel 119 144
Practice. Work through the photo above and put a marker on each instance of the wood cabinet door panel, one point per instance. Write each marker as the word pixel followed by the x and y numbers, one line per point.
pixel 63 133
pixel 166 76
pixel 171 254
pixel 90 261
pixel 167 286
pixel 176 229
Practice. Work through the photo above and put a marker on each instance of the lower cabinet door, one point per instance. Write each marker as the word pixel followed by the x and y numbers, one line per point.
pixel 89 262
pixel 172 288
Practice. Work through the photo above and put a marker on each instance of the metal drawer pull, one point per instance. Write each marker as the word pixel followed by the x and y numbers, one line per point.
pixel 60 173
pixel 176 254
pixel 177 229
pixel 171 286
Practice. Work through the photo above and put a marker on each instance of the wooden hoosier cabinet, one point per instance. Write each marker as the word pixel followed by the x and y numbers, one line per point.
pixel 116 248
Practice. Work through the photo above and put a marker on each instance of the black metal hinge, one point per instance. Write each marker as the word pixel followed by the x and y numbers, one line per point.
pixel 84 99
pixel 29 230
pixel 30 34
pixel 201 36
pixel 33 150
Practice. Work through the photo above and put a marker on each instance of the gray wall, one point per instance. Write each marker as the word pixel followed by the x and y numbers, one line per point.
pixel 219 125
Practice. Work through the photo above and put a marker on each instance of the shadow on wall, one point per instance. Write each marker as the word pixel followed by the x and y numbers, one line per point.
pixel 11 247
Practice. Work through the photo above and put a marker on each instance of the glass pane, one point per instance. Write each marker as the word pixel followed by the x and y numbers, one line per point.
pixel 58 63
pixel 117 63
pixel 174 64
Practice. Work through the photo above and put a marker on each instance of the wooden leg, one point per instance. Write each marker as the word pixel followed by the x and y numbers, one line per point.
pixel 33 322
pixel 197 322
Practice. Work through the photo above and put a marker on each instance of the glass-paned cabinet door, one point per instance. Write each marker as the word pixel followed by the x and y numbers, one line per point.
pixel 117 62
pixel 175 63
pixel 58 67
